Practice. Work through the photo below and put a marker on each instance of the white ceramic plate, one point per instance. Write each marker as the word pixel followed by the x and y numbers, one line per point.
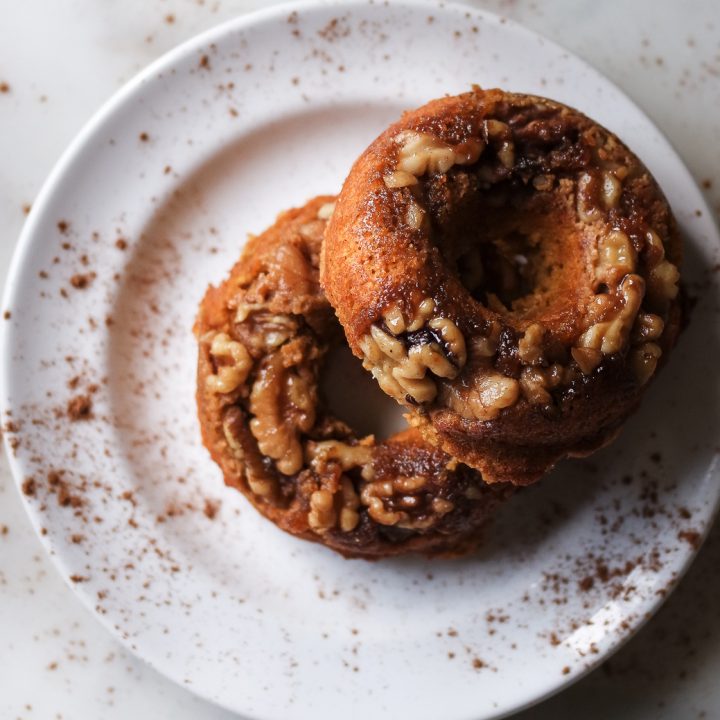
pixel 206 145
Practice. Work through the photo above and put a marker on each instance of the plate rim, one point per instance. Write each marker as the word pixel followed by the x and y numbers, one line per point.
pixel 95 123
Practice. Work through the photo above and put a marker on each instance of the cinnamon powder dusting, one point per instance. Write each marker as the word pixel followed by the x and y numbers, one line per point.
pixel 28 487
pixel 691 537
pixel 81 280
pixel 80 408
pixel 210 509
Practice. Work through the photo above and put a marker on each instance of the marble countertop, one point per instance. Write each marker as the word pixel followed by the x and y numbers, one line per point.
pixel 61 59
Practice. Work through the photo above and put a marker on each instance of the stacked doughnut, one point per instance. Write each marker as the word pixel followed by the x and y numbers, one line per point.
pixel 504 267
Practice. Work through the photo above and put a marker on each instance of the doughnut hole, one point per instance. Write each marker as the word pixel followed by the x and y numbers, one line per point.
pixel 517 251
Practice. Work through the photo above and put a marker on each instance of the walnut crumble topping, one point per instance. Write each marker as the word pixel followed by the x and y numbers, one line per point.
pixel 403 360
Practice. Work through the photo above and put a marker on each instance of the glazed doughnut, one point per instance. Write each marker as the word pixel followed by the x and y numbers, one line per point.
pixel 508 270
pixel 263 337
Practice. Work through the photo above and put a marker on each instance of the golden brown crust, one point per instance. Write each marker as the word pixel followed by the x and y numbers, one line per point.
pixel 537 242
pixel 263 335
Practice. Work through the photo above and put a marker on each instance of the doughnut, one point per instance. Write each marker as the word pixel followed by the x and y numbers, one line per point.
pixel 263 337
pixel 508 270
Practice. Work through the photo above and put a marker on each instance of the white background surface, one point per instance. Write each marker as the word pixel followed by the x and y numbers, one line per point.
pixel 61 60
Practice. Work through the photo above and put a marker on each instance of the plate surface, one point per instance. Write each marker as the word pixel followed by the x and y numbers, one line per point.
pixel 152 203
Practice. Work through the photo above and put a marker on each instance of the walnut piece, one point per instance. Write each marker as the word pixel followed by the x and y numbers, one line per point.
pixel 228 377
pixel 282 402
pixel 402 369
